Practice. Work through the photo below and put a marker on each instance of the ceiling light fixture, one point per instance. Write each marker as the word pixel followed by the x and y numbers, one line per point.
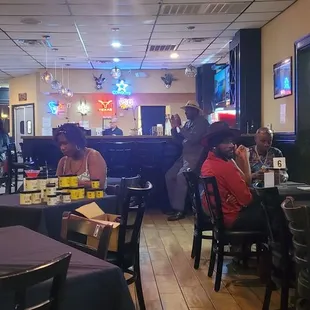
pixel 115 29
pixel 116 44
pixel 116 59
pixel 174 55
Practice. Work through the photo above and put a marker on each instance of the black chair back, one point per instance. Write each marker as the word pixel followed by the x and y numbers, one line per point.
pixel 131 221
pixel 280 238
pixel 20 281
pixel 195 195
pixel 119 158
pixel 213 200
pixel 120 190
pixel 81 226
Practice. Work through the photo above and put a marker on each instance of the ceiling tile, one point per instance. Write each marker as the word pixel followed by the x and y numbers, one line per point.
pixel 112 9
pixel 253 17
pixel 31 9
pixel 247 25
pixel 272 6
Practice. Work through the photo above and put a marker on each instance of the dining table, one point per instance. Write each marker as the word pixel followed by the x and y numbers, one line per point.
pixel 43 218
pixel 92 284
pixel 299 191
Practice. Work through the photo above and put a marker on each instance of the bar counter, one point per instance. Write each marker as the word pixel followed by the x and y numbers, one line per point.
pixel 149 156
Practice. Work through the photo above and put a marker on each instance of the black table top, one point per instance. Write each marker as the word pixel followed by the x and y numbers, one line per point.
pixel 290 189
pixel 42 218
pixel 91 283
pixel 14 201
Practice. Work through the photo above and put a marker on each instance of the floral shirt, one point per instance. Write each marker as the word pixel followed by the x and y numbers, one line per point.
pixel 257 162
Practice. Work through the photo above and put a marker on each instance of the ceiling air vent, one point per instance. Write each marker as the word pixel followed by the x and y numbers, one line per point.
pixel 31 42
pixel 162 48
pixel 194 40
pixel 203 9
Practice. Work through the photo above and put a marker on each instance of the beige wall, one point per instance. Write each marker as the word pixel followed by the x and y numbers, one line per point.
pixel 25 84
pixel 148 91
pixel 278 38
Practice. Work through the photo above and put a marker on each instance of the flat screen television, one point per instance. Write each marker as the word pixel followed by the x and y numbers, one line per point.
pixel 282 78
pixel 220 86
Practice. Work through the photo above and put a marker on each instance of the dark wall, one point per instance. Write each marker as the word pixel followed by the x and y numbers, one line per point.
pixel 245 61
pixel 205 87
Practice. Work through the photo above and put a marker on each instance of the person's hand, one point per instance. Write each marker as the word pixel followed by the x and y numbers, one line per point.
pixel 231 199
pixel 178 120
pixel 259 175
pixel 242 152
pixel 175 121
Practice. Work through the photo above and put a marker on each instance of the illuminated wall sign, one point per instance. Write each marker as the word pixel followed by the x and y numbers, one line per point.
pixel 83 108
pixel 106 107
pixel 126 103
pixel 121 89
pixel 56 107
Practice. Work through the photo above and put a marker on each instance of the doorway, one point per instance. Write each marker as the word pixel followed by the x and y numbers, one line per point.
pixel 152 116
pixel 23 122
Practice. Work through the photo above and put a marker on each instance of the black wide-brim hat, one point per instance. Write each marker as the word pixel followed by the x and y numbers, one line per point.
pixel 221 130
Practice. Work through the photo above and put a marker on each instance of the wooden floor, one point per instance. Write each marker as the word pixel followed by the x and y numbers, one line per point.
pixel 171 283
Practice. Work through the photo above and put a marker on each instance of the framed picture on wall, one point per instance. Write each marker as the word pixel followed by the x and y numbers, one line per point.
pixel 282 78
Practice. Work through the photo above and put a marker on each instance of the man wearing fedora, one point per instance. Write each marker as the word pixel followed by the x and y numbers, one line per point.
pixel 231 168
pixel 191 135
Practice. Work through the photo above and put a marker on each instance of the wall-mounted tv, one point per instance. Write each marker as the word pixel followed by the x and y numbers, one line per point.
pixel 282 78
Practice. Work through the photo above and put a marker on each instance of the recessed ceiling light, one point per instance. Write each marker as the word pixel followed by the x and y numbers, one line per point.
pixel 174 55
pixel 115 29
pixel 116 59
pixel 30 21
pixel 116 44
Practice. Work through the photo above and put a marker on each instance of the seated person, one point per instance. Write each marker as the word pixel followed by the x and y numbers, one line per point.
pixel 240 212
pixel 262 154
pixel 86 163
pixel 113 130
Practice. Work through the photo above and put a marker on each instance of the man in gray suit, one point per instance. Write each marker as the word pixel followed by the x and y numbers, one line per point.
pixel 191 135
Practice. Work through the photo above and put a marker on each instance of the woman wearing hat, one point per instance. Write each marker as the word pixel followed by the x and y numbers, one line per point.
pixel 233 178
pixel 191 135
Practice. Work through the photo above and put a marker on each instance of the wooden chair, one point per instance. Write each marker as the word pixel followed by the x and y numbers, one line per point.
pixel 81 226
pixel 127 256
pixel 20 281
pixel 221 235
pixel 280 247
pixel 202 221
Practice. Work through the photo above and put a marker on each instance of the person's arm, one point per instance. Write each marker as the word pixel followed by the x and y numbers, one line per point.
pixel 242 161
pixel 60 167
pixel 195 134
pixel 237 186
pixel 97 168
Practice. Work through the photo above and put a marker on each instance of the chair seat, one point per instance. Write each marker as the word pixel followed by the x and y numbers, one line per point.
pixel 233 236
pixel 127 262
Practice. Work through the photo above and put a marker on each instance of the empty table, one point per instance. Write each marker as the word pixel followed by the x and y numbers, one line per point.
pixel 91 283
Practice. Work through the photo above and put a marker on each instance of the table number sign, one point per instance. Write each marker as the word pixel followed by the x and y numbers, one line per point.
pixel 279 163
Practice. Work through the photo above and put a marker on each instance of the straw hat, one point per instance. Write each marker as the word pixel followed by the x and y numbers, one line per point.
pixel 192 104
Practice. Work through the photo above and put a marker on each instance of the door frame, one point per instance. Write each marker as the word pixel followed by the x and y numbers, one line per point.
pixel 13 118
